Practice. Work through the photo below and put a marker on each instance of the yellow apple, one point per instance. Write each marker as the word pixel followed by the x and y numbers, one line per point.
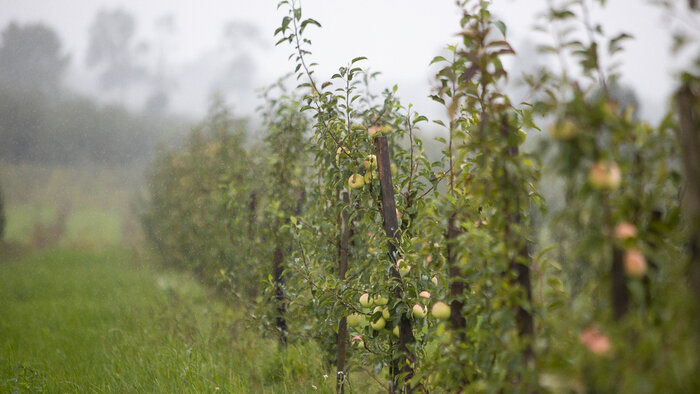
pixel 380 300
pixel 419 311
pixel 379 324
pixel 441 310
pixel 385 311
pixel 355 320
pixel 356 181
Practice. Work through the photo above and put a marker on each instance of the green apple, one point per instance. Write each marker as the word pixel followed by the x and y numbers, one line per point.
pixel 365 301
pixel 441 310
pixel 434 280
pixel 380 300
pixel 357 341
pixel 355 320
pixel 370 162
pixel 385 311
pixel 379 324
pixel 396 331
pixel 356 181
pixel 419 311
pixel 370 176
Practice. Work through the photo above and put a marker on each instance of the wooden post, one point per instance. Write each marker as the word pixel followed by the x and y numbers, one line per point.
pixel 343 251
pixel 618 282
pixel 402 362
pixel 521 263
pixel 278 278
pixel 689 138
pixel 457 285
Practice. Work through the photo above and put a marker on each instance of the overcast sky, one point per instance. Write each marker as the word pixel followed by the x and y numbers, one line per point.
pixel 399 37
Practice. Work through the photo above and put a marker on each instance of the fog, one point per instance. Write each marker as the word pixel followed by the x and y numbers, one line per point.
pixel 186 51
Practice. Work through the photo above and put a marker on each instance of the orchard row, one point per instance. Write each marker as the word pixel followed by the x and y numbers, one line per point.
pixel 450 272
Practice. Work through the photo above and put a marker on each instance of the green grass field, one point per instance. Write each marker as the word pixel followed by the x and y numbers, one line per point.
pixel 78 321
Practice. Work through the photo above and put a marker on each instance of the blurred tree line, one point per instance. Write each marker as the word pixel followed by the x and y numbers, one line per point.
pixel 43 122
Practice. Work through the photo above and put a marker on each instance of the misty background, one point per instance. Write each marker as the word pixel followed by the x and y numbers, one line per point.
pixel 106 81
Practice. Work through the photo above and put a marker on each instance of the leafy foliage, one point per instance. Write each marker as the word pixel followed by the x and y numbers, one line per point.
pixel 481 286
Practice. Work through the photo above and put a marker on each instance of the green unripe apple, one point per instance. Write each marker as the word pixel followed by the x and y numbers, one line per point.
pixel 370 176
pixel 380 300
pixel 419 311
pixel 356 181
pixel 441 310
pixel 385 311
pixel 365 301
pixel 355 320
pixel 370 162
pixel 396 331
pixel 379 324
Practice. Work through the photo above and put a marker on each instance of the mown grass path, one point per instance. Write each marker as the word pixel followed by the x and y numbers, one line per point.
pixel 73 321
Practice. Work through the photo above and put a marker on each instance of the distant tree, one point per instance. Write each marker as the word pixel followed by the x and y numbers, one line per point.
pixel 113 50
pixel 31 58
pixel 158 101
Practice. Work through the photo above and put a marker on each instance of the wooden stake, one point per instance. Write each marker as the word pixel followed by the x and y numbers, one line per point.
pixel 343 250
pixel 401 364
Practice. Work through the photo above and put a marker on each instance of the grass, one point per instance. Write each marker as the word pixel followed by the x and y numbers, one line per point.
pixel 78 321
pixel 98 202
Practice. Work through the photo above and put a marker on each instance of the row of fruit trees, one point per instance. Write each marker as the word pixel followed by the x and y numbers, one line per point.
pixel 451 273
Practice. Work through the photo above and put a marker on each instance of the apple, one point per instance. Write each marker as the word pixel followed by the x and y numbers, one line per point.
pixel 605 175
pixel 357 341
pixel 396 331
pixel 385 311
pixel 419 311
pixel 403 267
pixel 356 181
pixel 370 162
pixel 355 320
pixel 635 263
pixel 370 176
pixel 424 294
pixel 564 130
pixel 394 169
pixel 625 230
pixel 434 280
pixel 441 310
pixel 597 342
pixel 379 324
pixel 380 300
pixel 365 301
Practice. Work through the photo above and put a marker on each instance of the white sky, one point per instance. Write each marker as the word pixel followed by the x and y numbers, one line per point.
pixel 398 36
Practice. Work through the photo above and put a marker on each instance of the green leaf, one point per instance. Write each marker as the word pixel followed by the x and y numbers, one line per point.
pixel 437 59
pixel 501 27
